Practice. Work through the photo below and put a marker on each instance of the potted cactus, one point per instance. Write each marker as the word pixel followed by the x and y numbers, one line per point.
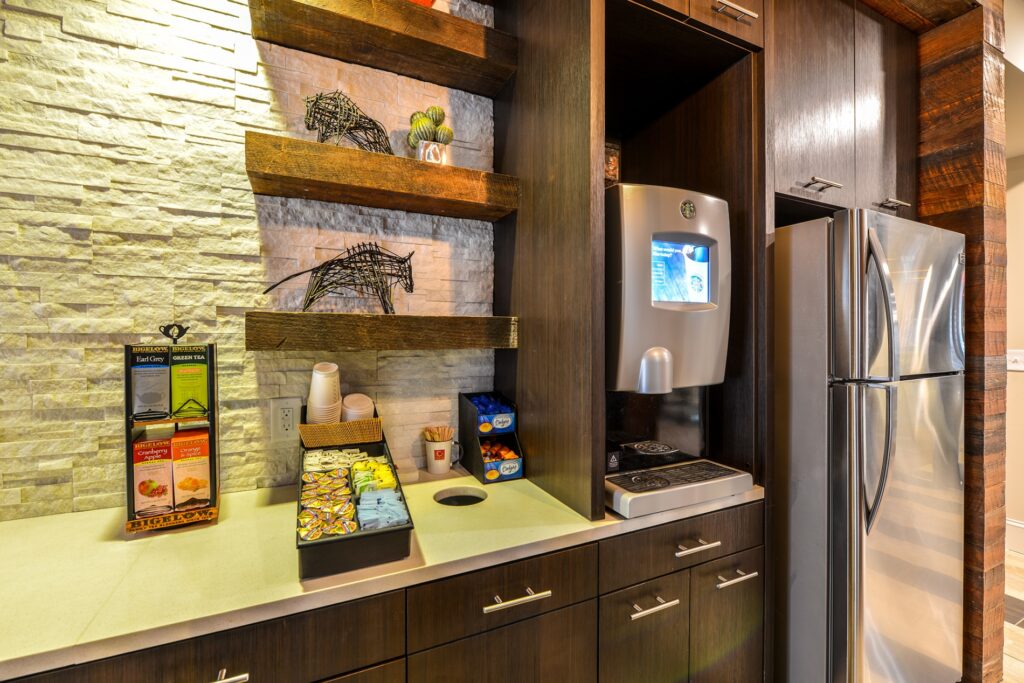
pixel 429 136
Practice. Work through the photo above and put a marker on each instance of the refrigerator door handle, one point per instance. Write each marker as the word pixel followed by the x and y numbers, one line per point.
pixel 890 445
pixel 876 252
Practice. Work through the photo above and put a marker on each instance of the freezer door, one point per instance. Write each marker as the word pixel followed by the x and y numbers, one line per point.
pixel 911 532
pixel 898 298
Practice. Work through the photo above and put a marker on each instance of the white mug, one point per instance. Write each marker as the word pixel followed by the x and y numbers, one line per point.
pixel 439 456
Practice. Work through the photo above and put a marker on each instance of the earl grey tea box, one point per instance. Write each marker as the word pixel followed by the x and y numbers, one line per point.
pixel 151 382
pixel 189 375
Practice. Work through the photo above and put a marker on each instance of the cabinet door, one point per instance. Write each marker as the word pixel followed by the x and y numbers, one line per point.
pixel 812 100
pixel 743 19
pixel 727 612
pixel 644 632
pixel 886 111
pixel 559 647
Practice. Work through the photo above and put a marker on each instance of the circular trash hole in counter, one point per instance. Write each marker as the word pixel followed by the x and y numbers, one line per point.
pixel 460 496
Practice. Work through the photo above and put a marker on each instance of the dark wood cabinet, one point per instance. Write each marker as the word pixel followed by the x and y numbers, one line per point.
pixel 886 112
pixel 392 672
pixel 558 647
pixel 526 588
pixel 812 100
pixel 727 617
pixel 644 632
pixel 632 558
pixel 742 19
pixel 664 624
pixel 302 647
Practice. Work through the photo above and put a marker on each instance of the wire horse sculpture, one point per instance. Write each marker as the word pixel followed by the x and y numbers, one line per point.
pixel 334 115
pixel 364 268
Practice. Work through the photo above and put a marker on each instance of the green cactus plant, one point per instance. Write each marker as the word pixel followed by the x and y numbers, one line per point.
pixel 426 127
pixel 444 135
pixel 436 114
pixel 423 130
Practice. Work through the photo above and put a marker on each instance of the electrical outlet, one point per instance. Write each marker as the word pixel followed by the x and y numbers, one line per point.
pixel 284 419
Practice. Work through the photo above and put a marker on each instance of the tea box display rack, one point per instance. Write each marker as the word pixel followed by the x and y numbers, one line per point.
pixel 170 394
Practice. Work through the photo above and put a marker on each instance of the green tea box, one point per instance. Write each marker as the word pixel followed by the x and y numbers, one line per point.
pixel 151 382
pixel 189 387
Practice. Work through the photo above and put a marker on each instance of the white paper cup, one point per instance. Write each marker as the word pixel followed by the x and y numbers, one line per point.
pixel 439 456
pixel 319 415
pixel 356 407
pixel 324 386
pixel 348 415
pixel 358 402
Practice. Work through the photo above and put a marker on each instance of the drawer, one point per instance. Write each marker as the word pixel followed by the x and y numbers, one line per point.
pixel 557 647
pixel 303 647
pixel 644 631
pixel 642 555
pixel 453 608
pixel 732 20
pixel 392 672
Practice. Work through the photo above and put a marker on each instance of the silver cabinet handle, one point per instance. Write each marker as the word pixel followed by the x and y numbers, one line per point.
pixel 222 677
pixel 893 203
pixel 701 546
pixel 640 612
pixel 741 11
pixel 815 180
pixel 740 579
pixel 530 596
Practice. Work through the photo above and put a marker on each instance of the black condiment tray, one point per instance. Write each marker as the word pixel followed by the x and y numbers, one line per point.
pixel 336 554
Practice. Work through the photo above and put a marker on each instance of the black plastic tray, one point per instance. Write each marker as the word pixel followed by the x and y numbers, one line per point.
pixel 335 554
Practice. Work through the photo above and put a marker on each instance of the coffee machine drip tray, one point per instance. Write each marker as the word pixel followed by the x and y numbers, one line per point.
pixel 644 492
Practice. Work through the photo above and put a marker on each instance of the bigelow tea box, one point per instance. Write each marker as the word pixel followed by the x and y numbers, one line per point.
pixel 151 474
pixel 151 382
pixel 189 386
pixel 190 450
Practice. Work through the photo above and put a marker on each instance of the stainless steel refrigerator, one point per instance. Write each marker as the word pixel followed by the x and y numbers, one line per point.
pixel 868 461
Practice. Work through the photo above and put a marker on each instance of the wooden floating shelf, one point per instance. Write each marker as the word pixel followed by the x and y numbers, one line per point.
pixel 394 35
pixel 287 167
pixel 283 331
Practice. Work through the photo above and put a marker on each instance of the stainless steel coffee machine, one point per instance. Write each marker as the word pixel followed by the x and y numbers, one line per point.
pixel 668 276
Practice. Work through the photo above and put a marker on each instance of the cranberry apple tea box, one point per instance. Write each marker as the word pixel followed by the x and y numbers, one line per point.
pixel 151 467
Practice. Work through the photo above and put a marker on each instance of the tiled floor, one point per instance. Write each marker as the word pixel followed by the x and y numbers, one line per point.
pixel 1013 647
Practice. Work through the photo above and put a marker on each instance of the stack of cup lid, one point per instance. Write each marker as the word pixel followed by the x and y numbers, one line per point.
pixel 356 407
pixel 324 404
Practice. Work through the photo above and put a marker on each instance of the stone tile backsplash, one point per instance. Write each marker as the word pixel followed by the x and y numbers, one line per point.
pixel 124 205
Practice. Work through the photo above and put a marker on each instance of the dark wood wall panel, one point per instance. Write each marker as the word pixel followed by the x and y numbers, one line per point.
pixel 707 144
pixel 549 132
pixel 962 187
pixel 921 15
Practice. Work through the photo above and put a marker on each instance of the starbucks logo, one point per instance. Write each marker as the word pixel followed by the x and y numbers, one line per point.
pixel 688 209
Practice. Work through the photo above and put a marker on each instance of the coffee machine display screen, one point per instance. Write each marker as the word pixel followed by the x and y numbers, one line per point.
pixel 680 272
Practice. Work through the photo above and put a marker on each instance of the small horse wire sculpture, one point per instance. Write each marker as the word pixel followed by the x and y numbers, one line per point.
pixel 366 267
pixel 334 115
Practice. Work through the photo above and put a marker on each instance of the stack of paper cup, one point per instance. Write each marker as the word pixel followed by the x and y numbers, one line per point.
pixel 324 403
pixel 356 407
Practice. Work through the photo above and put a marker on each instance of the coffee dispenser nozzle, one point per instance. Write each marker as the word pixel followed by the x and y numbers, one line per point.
pixel 655 371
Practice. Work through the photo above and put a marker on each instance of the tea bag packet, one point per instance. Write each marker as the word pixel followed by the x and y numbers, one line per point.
pixel 189 386
pixel 151 383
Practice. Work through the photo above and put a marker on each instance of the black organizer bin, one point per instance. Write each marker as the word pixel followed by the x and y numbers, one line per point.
pixel 336 554
pixel 470 437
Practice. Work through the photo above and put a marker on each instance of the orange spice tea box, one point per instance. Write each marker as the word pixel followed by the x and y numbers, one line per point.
pixel 190 450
